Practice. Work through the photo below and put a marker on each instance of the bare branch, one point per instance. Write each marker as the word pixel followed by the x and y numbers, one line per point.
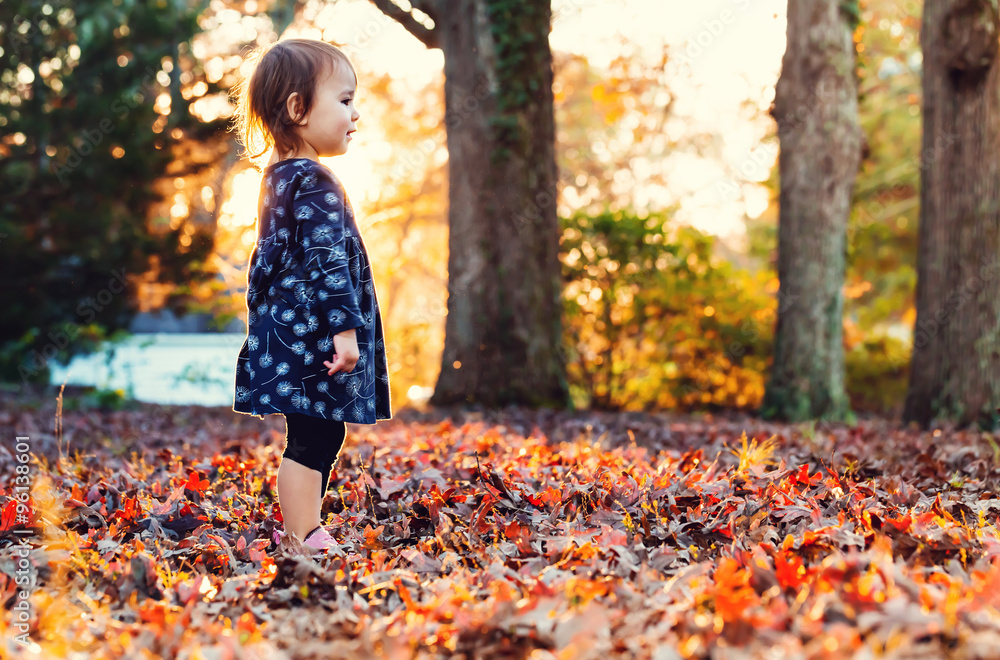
pixel 406 19
pixel 429 7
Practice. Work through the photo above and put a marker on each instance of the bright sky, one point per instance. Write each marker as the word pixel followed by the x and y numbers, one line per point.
pixel 733 49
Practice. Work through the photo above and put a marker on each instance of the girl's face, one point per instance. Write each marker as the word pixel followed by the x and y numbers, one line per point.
pixel 327 128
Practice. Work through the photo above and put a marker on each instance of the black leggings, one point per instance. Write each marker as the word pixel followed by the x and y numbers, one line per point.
pixel 315 443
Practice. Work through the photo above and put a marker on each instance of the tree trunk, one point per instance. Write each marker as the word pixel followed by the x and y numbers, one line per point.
pixel 503 336
pixel 816 108
pixel 955 367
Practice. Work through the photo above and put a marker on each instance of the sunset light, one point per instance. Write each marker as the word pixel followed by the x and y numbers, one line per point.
pixel 622 329
pixel 710 86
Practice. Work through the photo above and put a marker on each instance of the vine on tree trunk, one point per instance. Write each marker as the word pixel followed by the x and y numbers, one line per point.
pixel 851 10
pixel 515 25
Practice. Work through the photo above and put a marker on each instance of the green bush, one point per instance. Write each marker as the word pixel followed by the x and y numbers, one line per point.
pixel 655 320
pixel 878 372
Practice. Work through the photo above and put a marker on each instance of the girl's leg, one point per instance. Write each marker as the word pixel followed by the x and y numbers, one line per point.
pixel 299 475
pixel 333 451
pixel 300 508
pixel 311 447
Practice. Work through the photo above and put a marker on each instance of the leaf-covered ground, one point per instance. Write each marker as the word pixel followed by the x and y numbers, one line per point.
pixel 507 535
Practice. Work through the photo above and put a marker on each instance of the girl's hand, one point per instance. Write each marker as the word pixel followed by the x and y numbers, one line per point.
pixel 346 353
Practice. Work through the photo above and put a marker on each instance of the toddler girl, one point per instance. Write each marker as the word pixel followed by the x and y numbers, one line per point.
pixel 310 292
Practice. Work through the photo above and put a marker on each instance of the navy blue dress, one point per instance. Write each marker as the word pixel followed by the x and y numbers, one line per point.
pixel 309 278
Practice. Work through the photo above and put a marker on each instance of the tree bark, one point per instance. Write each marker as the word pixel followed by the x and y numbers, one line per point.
pixel 503 334
pixel 955 366
pixel 816 108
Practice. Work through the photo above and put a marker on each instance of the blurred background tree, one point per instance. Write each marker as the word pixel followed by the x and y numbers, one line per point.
pixel 816 109
pixel 93 124
pixel 955 370
pixel 503 340
pixel 880 275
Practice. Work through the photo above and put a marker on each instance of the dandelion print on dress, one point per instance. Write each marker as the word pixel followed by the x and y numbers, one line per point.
pixel 309 278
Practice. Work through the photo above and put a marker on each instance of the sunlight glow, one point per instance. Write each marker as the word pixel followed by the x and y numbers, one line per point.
pixel 240 209
pixel 733 53
pixel 724 52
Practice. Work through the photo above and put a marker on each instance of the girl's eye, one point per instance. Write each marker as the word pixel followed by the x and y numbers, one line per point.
pixel 346 101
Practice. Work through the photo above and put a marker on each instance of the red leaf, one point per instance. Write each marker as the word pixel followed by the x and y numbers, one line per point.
pixel 484 508
pixel 195 483
pixel 8 516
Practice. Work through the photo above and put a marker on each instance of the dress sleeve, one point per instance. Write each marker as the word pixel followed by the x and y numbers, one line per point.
pixel 318 208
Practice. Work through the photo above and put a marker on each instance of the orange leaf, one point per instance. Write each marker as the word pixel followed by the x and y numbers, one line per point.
pixel 512 530
pixel 484 508
pixel 733 591
pixel 372 536
pixel 789 570
pixel 901 524
pixel 584 589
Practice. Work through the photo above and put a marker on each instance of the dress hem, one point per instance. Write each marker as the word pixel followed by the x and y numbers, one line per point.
pixel 261 415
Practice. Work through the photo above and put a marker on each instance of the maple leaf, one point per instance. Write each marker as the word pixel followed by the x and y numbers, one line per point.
pixel 480 515
pixel 8 515
pixel 610 536
pixel 372 537
pixel 581 590
pixel 521 536
pixel 129 511
pixel 195 483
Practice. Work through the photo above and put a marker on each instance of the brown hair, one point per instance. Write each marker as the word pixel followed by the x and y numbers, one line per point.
pixel 276 71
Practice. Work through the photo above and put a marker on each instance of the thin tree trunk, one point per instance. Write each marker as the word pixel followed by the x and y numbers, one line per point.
pixel 955 367
pixel 816 107
pixel 503 336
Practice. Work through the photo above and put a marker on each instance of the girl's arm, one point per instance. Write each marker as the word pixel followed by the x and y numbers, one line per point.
pixel 318 209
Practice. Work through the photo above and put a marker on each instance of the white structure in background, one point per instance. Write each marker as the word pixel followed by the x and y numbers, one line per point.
pixel 169 368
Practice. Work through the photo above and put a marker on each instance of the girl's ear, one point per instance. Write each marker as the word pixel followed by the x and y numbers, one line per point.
pixel 294 107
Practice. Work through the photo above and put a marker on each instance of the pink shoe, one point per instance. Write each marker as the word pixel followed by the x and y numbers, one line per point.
pixel 321 540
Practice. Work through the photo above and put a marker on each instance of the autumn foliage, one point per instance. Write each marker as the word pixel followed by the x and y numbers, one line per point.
pixel 534 535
